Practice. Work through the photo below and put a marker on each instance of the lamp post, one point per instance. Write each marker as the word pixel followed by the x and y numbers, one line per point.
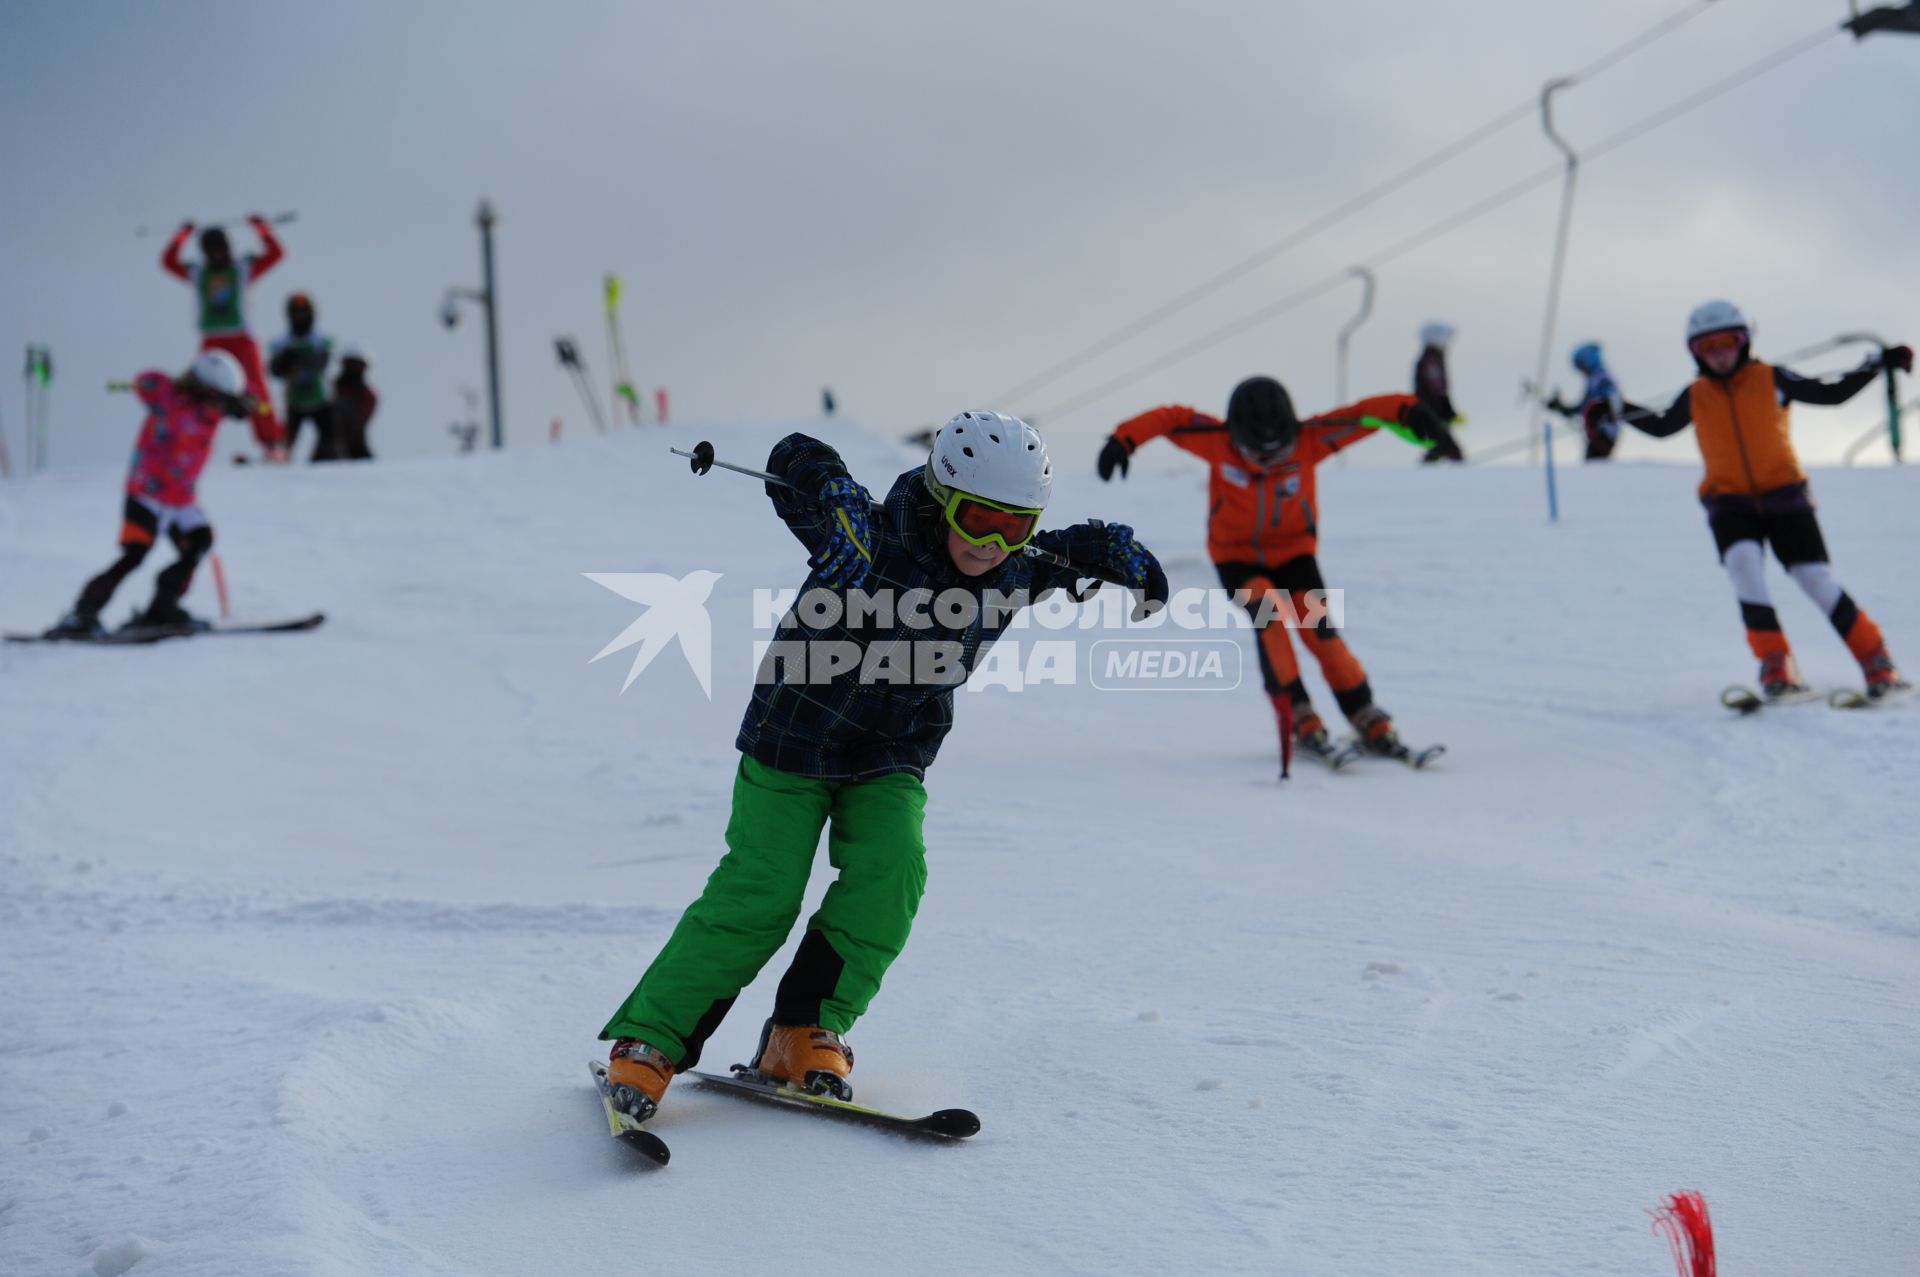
pixel 486 297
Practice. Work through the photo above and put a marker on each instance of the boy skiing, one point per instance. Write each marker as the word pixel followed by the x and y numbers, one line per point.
pixel 1756 492
pixel 1263 531
pixel 220 286
pixel 183 414
pixel 848 752
pixel 1430 388
pixel 300 357
pixel 1600 407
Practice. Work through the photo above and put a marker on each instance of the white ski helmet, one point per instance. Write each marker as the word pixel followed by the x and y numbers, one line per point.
pixel 1716 317
pixel 217 370
pixel 358 354
pixel 992 455
pixel 1436 334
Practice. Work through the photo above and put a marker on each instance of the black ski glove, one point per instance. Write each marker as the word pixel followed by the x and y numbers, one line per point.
pixel 1900 357
pixel 1114 457
pixel 1424 422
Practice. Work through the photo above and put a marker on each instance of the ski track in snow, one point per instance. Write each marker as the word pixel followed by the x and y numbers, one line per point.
pixel 307 938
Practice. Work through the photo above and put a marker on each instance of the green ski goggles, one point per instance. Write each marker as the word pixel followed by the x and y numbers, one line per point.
pixel 979 521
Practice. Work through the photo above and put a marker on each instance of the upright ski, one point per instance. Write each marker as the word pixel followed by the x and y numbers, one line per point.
pixel 622 1126
pixel 946 1124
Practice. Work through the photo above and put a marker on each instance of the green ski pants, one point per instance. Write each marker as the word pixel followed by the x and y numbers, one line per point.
pixel 752 899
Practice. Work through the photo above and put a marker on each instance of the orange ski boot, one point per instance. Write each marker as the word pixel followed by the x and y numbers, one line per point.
pixel 1780 676
pixel 637 1076
pixel 1883 679
pixel 1375 729
pixel 806 1056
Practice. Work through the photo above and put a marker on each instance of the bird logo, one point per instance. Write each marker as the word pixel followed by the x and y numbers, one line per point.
pixel 676 608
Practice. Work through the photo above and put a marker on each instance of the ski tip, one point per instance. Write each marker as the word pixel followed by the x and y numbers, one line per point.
pixel 958 1124
pixel 648 1145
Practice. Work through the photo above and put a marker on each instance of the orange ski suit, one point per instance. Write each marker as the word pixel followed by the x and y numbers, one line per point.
pixel 1263 526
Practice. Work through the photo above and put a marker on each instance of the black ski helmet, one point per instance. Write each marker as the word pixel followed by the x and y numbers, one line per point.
pixel 213 242
pixel 1260 418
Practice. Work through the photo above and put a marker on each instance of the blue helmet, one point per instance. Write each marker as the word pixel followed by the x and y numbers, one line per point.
pixel 1587 357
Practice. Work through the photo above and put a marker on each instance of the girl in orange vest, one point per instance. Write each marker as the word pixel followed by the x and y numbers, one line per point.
pixel 1263 529
pixel 1756 492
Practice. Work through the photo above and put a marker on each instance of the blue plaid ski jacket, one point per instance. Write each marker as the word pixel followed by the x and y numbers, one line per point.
pixel 889 711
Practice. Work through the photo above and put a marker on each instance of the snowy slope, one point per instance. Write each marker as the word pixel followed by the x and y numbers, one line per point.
pixel 306 939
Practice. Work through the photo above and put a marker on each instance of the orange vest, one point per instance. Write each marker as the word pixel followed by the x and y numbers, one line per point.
pixel 1744 433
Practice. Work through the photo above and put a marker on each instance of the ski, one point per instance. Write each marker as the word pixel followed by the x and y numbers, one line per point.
pixel 1326 753
pixel 1414 758
pixel 622 1126
pixel 1847 698
pixel 136 635
pixel 946 1124
pixel 1745 700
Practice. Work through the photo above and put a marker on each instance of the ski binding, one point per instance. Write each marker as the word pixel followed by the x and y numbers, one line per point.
pixel 622 1126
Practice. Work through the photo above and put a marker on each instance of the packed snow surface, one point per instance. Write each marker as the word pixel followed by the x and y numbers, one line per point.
pixel 305 940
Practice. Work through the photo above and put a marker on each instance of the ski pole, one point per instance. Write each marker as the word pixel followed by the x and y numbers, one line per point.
pixel 703 460
pixel 220 584
pixel 278 219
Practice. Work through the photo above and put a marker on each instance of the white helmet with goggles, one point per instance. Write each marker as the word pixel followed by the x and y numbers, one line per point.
pixel 218 371
pixel 1716 317
pixel 991 475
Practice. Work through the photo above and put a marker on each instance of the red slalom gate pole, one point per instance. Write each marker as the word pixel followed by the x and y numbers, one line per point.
pixel 660 405
pixel 220 585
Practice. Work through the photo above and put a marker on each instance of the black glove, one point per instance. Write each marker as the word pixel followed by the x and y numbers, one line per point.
pixel 1114 457
pixel 1424 422
pixel 1136 567
pixel 1900 357
pixel 1556 404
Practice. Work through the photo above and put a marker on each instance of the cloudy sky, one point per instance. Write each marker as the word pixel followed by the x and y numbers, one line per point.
pixel 924 206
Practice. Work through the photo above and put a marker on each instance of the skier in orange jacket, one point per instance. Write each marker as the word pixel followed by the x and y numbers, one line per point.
pixel 1263 528
pixel 1756 492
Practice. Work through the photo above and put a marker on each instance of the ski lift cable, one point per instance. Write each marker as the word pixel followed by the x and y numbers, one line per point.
pixel 1521 111
pixel 1426 235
